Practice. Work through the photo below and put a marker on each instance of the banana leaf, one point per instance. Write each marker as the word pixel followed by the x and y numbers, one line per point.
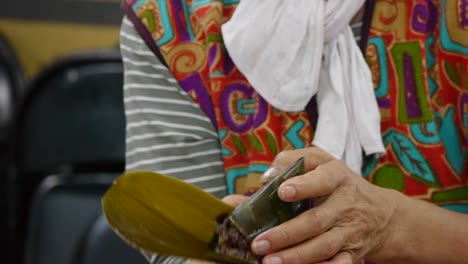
pixel 163 215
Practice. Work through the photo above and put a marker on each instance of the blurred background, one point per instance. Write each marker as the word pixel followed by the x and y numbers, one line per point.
pixel 41 31
pixel 62 130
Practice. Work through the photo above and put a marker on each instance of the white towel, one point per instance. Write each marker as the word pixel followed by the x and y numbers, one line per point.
pixel 292 50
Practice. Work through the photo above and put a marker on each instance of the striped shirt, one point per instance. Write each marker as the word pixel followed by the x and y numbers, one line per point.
pixel 167 132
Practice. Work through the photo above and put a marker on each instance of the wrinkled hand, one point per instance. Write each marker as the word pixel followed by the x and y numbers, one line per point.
pixel 352 218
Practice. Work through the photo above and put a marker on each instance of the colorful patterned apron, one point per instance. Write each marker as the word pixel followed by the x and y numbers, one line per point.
pixel 418 55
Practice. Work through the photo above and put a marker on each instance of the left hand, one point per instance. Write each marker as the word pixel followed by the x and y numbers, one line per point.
pixel 234 199
pixel 353 218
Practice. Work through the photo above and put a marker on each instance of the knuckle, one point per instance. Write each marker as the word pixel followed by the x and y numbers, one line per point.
pixel 330 247
pixel 283 159
pixel 340 169
pixel 329 178
pixel 296 256
pixel 351 190
pixel 282 155
pixel 353 199
pixel 284 236
pixel 352 214
pixel 318 151
pixel 356 239
pixel 330 182
pixel 315 222
pixel 312 227
pixel 336 163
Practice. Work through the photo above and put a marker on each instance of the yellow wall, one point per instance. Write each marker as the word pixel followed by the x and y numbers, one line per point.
pixel 39 43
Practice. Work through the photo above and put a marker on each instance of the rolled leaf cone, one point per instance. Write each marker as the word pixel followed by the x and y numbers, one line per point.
pixel 265 209
pixel 163 215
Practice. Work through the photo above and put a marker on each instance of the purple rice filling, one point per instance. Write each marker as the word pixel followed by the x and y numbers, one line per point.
pixel 232 242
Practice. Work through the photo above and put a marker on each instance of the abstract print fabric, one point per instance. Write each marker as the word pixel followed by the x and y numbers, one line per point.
pixel 418 54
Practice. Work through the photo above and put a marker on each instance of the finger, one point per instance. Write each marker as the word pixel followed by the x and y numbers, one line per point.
pixel 269 174
pixel 317 249
pixel 322 181
pixel 313 157
pixel 309 224
pixel 343 257
pixel 198 261
pixel 234 199
pixel 282 161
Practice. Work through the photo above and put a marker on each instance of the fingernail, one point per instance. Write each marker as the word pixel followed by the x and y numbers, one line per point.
pixel 261 247
pixel 288 192
pixel 269 174
pixel 274 260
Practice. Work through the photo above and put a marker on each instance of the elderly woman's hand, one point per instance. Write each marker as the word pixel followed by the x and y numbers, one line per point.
pixel 352 218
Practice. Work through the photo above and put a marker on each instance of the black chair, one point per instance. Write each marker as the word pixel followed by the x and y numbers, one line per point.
pixel 12 83
pixel 62 212
pixel 102 245
pixel 70 123
pixel 73 115
pixel 11 88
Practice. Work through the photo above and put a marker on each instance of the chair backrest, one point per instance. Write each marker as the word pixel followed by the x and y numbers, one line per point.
pixel 73 115
pixel 63 210
pixel 12 84
pixel 71 120
pixel 11 88
pixel 6 98
pixel 102 245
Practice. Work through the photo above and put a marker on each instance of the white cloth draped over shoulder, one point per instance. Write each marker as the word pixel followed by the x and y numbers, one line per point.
pixel 292 50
